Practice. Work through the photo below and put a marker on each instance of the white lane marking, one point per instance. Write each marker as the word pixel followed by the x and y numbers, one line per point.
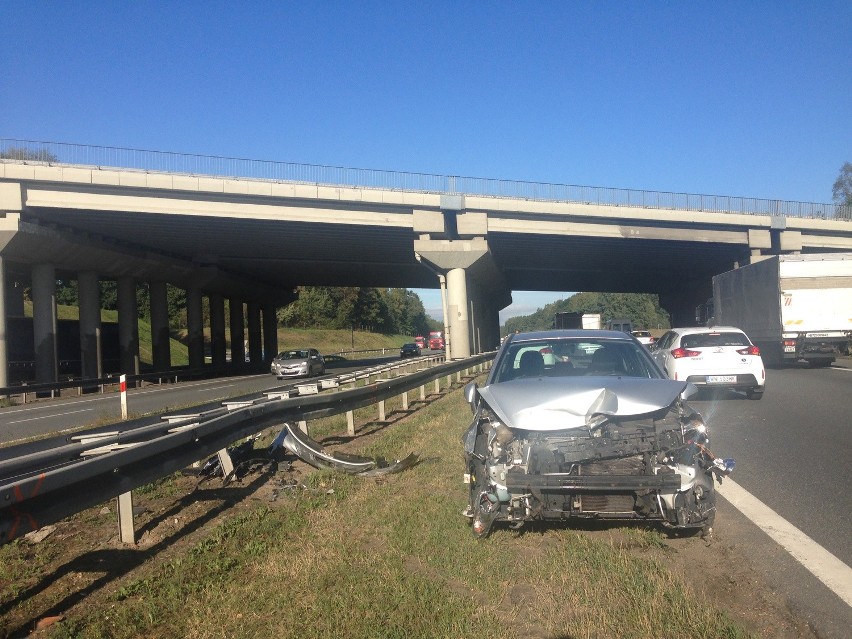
pixel 112 397
pixel 216 387
pixel 34 419
pixel 819 561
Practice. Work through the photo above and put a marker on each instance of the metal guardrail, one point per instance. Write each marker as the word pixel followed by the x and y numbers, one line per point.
pixel 145 160
pixel 40 485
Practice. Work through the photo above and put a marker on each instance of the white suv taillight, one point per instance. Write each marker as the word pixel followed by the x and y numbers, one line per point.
pixel 677 353
pixel 751 350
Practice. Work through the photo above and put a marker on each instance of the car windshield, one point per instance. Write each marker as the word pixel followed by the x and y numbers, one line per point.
pixel 293 355
pixel 569 357
pixel 409 345
pixel 714 339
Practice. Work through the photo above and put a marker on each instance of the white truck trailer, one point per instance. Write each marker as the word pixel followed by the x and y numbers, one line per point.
pixel 793 307
pixel 568 319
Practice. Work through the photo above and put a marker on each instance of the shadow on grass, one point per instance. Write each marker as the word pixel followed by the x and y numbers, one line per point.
pixel 116 562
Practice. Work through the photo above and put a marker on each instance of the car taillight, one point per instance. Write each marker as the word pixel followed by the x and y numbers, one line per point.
pixel 751 350
pixel 677 353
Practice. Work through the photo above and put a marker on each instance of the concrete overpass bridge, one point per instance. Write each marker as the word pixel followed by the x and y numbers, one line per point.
pixel 251 232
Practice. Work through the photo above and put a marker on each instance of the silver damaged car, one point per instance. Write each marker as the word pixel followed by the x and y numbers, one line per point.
pixel 583 424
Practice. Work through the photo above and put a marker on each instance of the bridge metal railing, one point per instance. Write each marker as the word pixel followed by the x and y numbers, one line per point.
pixel 192 164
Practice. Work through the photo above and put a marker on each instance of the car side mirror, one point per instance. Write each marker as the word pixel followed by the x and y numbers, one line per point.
pixel 470 394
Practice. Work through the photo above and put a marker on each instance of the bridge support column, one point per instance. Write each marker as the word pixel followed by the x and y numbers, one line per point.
pixel 44 323
pixel 4 353
pixel 464 262
pixel 89 298
pixel 270 333
pixel 457 304
pixel 128 326
pixel 474 293
pixel 681 305
pixel 217 330
pixel 195 327
pixel 160 342
pixel 255 339
pixel 238 333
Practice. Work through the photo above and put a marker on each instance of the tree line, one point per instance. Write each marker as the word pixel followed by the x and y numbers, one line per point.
pixel 390 311
pixel 643 309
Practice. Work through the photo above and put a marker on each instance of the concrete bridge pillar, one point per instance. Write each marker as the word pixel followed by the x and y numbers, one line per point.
pixel 128 326
pixel 255 338
pixel 457 303
pixel 217 330
pixel 270 333
pixel 14 297
pixel 195 327
pixel 4 353
pixel 238 334
pixel 467 263
pixel 89 299
pixel 681 304
pixel 44 323
pixel 160 342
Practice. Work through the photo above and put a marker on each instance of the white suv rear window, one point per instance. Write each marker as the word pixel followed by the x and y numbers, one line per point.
pixel 714 339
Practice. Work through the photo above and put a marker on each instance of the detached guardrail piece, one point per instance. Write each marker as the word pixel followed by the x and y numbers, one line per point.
pixel 314 454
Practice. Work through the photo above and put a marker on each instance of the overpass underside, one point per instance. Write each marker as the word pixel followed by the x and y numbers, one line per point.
pixel 246 245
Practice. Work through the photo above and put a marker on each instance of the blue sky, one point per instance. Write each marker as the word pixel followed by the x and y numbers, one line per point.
pixel 734 98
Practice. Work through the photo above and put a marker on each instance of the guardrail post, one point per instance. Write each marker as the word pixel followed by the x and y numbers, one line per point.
pixel 382 410
pixel 437 385
pixel 124 509
pixel 423 393
pixel 350 423
pixel 405 400
pixel 303 426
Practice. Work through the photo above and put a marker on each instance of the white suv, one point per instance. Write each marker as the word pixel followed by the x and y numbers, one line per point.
pixel 715 357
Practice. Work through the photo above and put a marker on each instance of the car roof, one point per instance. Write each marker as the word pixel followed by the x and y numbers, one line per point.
pixel 577 333
pixel 693 330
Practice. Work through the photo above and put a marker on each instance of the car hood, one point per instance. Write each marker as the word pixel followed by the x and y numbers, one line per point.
pixel 547 404
pixel 291 362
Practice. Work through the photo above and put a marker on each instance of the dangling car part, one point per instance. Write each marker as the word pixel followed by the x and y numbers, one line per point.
pixel 597 432
pixel 313 453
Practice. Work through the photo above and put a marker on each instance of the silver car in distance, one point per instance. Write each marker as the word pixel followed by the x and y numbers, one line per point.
pixel 583 424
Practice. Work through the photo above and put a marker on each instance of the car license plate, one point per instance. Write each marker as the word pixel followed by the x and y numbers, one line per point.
pixel 721 379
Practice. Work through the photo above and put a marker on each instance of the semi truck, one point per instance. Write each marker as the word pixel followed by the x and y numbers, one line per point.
pixel 793 307
pixel 577 320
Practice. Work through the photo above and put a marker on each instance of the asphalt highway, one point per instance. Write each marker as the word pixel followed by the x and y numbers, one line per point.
pixel 793 452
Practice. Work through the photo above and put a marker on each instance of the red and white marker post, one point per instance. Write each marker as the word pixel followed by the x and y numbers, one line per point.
pixel 122 386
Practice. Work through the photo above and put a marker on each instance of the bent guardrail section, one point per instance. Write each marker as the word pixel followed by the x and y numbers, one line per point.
pixel 43 486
